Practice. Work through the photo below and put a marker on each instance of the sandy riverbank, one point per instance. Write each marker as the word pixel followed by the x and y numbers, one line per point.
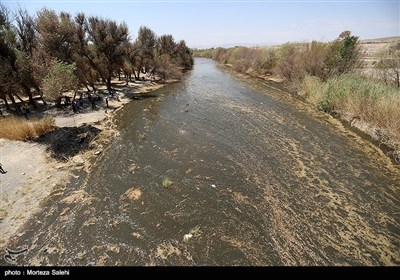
pixel 33 174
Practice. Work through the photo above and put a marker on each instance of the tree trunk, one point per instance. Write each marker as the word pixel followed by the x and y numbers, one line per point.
pixel 108 82
pixel 36 87
pixel 58 102
pixel 6 103
pixel 15 105
pixel 134 73
pixel 28 92
pixel 87 87
pixel 91 63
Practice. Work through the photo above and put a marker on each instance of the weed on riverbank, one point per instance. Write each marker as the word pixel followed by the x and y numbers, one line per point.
pixel 354 98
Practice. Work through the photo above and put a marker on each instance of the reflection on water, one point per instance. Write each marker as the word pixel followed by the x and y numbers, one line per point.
pixel 257 179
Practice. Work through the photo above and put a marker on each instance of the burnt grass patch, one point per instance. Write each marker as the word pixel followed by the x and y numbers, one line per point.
pixel 65 142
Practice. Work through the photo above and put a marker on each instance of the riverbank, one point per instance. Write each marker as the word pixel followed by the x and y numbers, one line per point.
pixel 34 173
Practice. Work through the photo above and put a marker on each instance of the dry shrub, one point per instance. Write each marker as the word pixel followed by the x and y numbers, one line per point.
pixel 267 61
pixel 21 129
pixel 290 63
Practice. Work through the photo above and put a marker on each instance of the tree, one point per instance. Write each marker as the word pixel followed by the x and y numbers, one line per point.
pixel 345 54
pixel 145 46
pixel 108 39
pixel 56 34
pixel 28 64
pixel 166 45
pixel 165 69
pixel 8 70
pixel 183 56
pixel 60 78
pixel 84 56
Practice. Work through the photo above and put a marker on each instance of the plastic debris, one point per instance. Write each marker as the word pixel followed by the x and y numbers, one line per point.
pixel 214 186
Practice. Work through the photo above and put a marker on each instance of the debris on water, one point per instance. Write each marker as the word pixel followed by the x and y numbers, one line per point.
pixel 214 186
pixel 132 168
pixel 132 194
pixel 188 171
pixel 186 237
pixel 137 235
pixel 166 183
pixel 193 233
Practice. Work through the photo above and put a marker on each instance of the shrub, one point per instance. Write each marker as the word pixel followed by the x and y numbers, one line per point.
pixel 289 65
pixel 60 78
pixel 371 102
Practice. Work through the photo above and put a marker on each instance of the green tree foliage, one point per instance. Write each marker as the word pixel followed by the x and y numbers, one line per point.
pixel 60 78
pixel 344 54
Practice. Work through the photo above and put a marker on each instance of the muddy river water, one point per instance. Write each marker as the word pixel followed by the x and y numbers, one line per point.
pixel 258 178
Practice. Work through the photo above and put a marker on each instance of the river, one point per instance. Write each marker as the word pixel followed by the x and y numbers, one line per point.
pixel 258 178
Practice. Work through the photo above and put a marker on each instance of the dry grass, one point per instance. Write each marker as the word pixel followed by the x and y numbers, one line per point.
pixel 21 129
pixel 370 102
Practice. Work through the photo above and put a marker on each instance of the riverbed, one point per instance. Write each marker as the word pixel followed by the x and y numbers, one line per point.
pixel 223 170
